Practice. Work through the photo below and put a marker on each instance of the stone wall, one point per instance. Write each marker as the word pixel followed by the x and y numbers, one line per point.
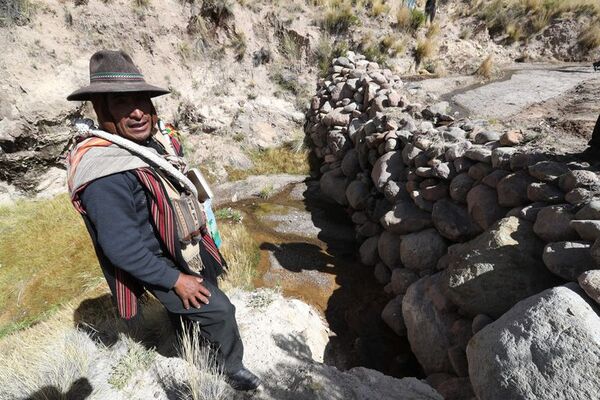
pixel 461 224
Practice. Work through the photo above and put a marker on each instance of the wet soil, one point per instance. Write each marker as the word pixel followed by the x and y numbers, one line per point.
pixel 307 249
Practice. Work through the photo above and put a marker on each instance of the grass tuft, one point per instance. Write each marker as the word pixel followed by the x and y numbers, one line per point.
pixel 339 16
pixel 205 379
pixel 590 39
pixel 423 50
pixel 138 358
pixel 485 70
pixel 275 160
pixel 242 255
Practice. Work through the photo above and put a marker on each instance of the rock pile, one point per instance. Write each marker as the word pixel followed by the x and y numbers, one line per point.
pixel 465 229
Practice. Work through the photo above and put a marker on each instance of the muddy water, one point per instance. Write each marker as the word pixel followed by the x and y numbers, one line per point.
pixel 307 250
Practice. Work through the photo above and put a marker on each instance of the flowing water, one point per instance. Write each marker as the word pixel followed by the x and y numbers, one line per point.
pixel 307 249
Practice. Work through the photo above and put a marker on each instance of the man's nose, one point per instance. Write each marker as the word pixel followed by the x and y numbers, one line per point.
pixel 136 113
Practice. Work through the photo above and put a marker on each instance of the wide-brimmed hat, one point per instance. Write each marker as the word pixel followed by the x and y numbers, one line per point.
pixel 114 72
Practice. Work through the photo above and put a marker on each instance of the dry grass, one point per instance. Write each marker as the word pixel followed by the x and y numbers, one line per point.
pixel 242 255
pixel 275 160
pixel 409 20
pixel 423 50
pixel 378 7
pixel 46 259
pixel 485 70
pixel 520 19
pixel 339 16
pixel 590 38
pixel 205 379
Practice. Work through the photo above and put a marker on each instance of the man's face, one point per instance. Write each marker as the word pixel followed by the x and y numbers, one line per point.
pixel 131 113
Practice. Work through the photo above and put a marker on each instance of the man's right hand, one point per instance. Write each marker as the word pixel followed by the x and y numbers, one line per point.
pixel 191 291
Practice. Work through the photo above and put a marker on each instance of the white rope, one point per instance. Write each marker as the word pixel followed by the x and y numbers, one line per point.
pixel 154 159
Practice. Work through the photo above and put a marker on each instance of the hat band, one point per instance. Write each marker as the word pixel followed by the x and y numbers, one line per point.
pixel 116 76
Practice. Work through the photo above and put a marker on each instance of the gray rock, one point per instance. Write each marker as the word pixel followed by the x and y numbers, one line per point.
pixel 494 177
pixel 590 283
pixel 458 360
pixel 392 316
pixel 479 322
pixel 357 194
pixel 350 165
pixel 333 184
pixel 579 196
pixel 405 217
pixel 500 267
pixel 457 150
pixel 595 251
pixel 480 170
pixel 435 192
pixel 519 161
pixel 389 249
pixel 460 186
pixel 401 280
pixel 394 192
pixel 462 164
pixel 545 192
pixel 444 170
pixel 587 229
pixel 553 224
pixel 589 211
pixel 368 251
pixel 545 347
pixel 427 327
pixel 479 153
pixel 578 179
pixel 483 206
pixel 421 251
pixel 512 190
pixel 547 171
pixel 453 221
pixel 409 153
pixel 336 118
pixel 388 167
pixel 530 212
pixel 568 259
pixel 486 136
pixel 502 156
pixel 369 229
pixel 382 274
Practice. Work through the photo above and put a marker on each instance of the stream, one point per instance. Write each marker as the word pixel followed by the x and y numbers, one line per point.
pixel 308 251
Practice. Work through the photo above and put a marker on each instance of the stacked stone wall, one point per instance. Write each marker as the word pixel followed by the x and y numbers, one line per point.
pixel 459 222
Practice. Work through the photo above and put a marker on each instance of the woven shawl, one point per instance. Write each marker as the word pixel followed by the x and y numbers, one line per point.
pixel 101 157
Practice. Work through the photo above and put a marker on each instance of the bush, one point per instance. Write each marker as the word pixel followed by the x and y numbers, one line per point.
pixel 486 68
pixel 339 17
pixel 590 39
pixel 423 50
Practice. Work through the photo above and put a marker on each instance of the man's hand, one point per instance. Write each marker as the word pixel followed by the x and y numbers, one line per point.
pixel 191 291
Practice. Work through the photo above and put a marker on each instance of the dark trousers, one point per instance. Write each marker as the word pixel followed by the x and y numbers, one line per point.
pixel 595 140
pixel 216 320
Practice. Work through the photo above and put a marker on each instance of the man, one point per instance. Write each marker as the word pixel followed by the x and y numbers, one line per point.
pixel 149 231
pixel 430 6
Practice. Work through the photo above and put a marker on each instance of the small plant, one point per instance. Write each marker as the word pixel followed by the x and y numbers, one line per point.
pixel 514 33
pixel 229 214
pixel 136 359
pixel 15 12
pixel 378 7
pixel 290 48
pixel 486 68
pixel 417 19
pixel 262 298
pixel 205 378
pixel 266 192
pixel 141 3
pixel 238 43
pixel 403 20
pixel 590 39
pixel 432 31
pixel 466 33
pixel 423 50
pixel 339 17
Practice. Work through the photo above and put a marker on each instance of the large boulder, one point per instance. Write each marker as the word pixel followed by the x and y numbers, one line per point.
pixel 357 194
pixel 568 259
pixel 421 251
pixel 483 206
pixel 500 267
pixel 406 217
pixel 387 167
pixel 512 190
pixel 553 224
pixel 453 221
pixel 428 324
pixel 546 347
pixel 333 184
pixel 389 249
